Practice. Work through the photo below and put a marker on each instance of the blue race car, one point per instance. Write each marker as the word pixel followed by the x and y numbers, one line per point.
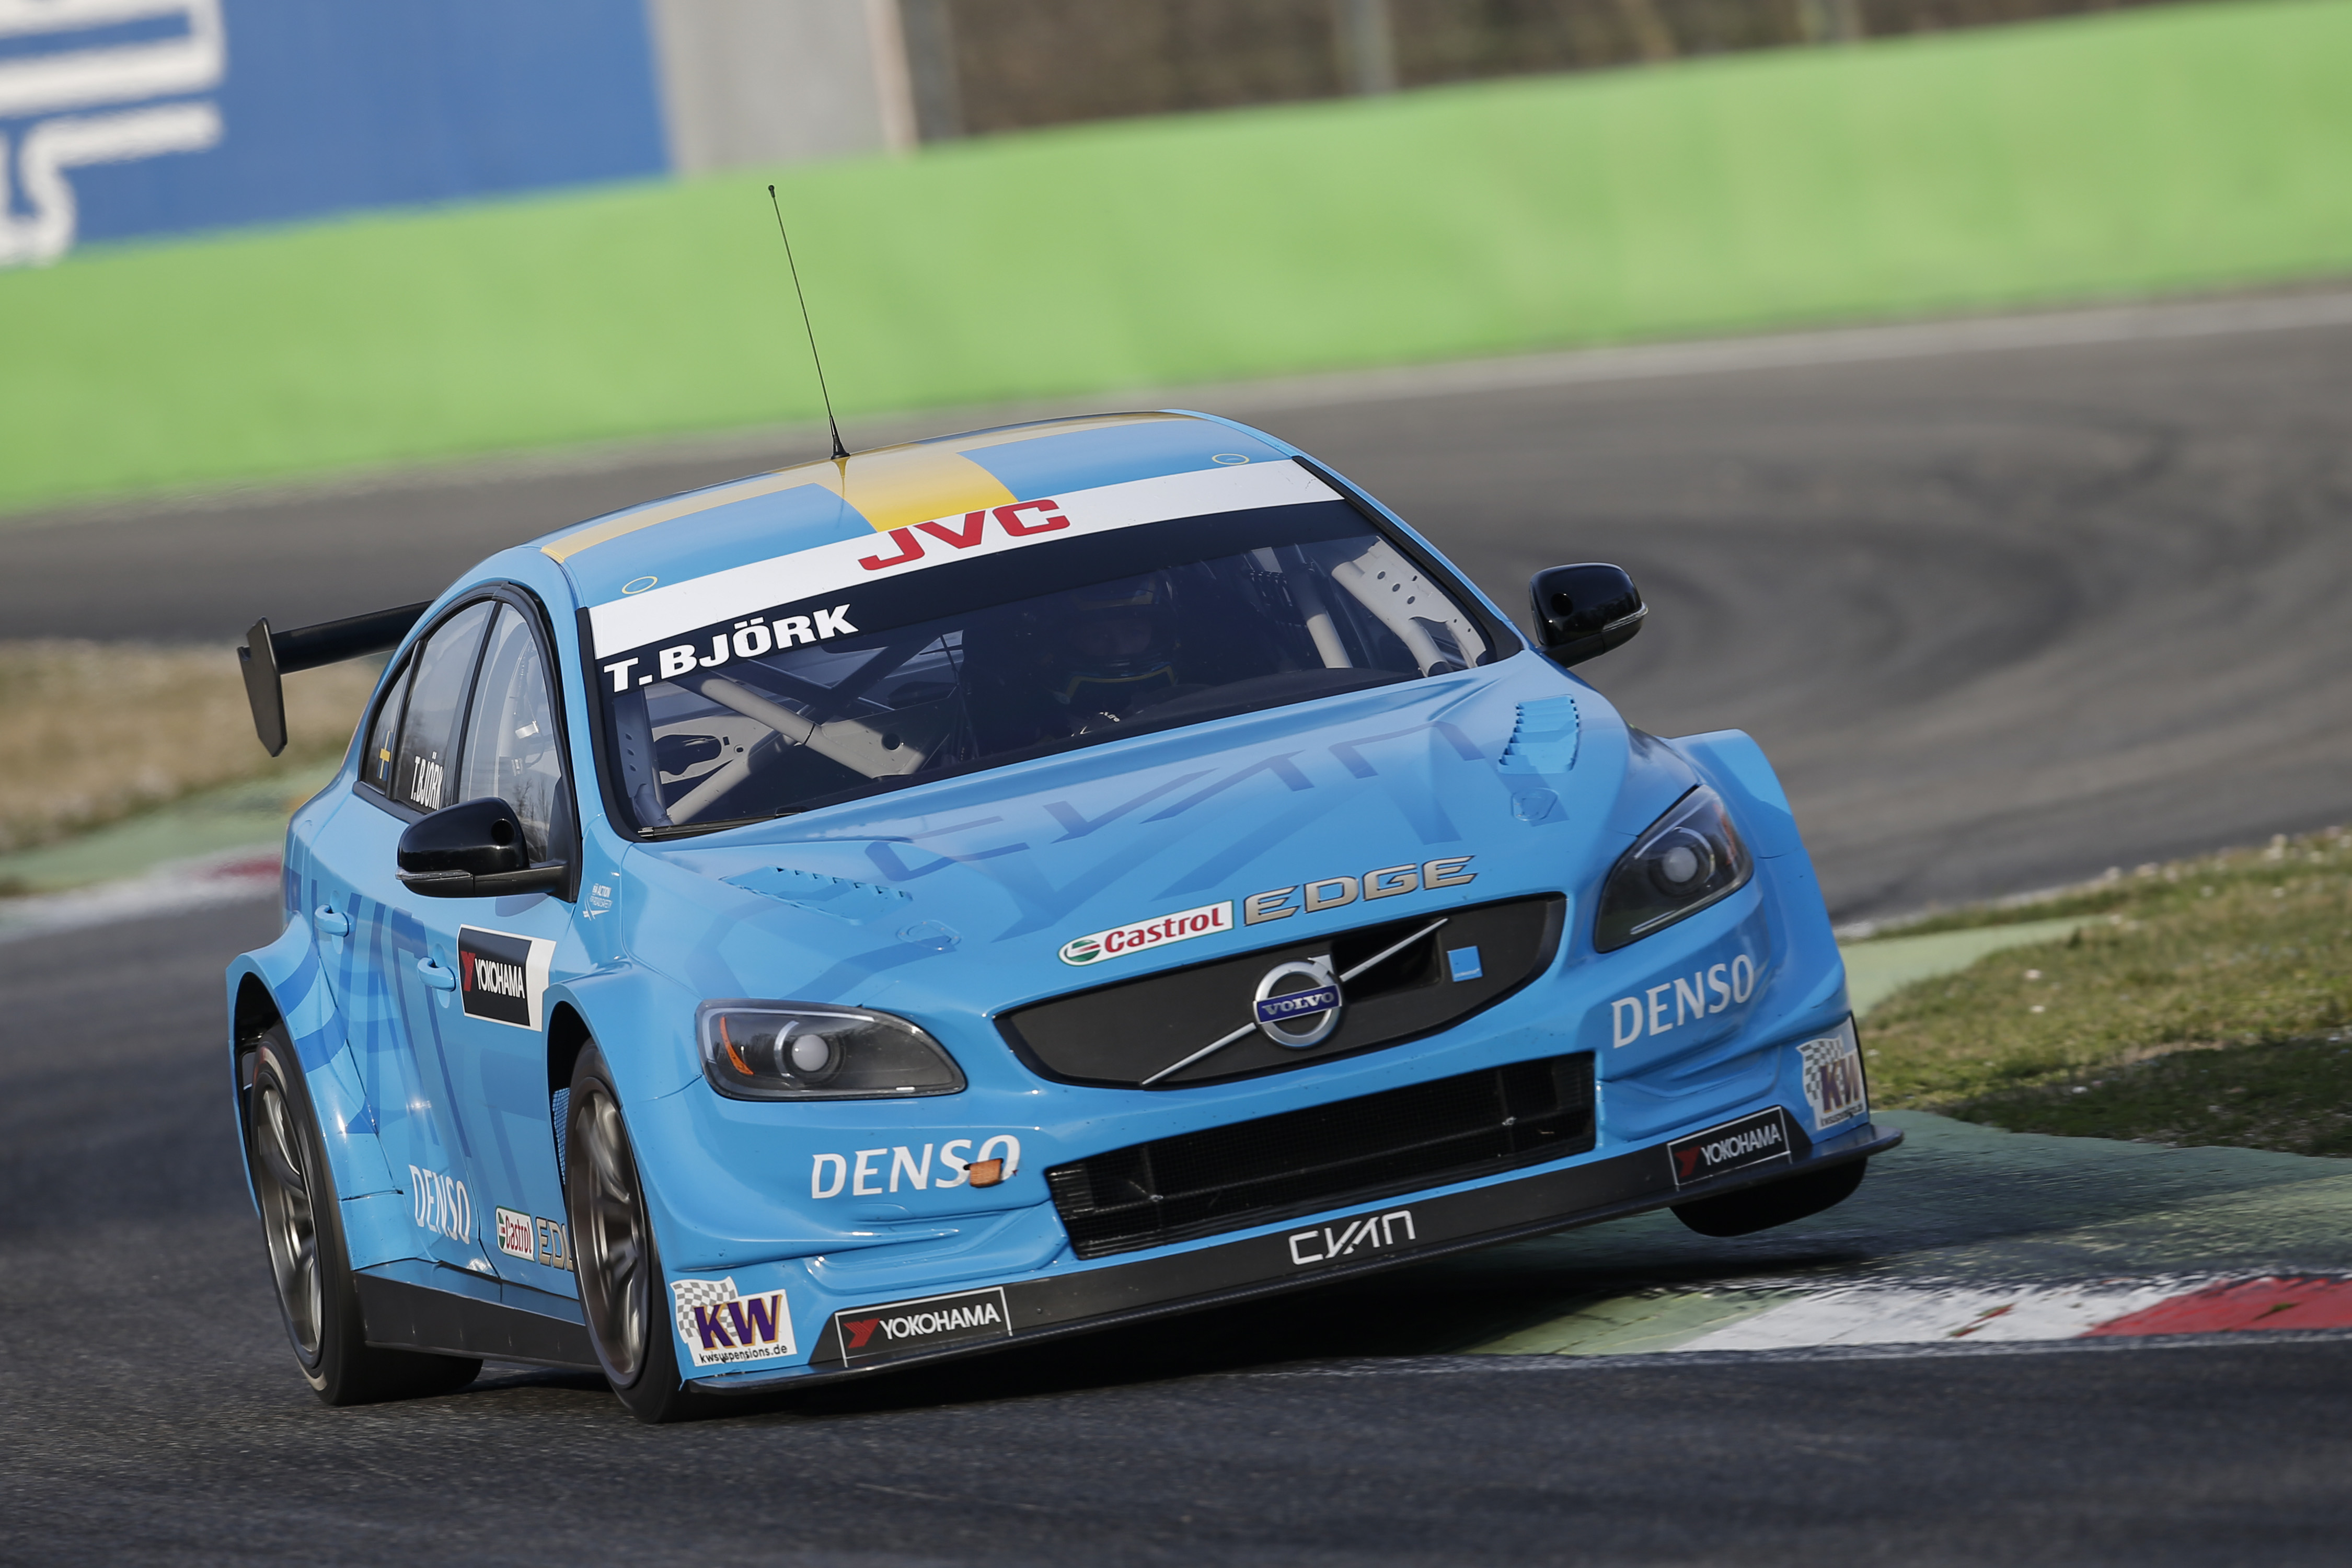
pixel 992 889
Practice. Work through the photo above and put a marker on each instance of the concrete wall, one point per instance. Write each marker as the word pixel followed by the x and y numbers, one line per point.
pixel 774 81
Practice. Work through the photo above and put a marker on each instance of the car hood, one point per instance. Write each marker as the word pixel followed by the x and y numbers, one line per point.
pixel 962 894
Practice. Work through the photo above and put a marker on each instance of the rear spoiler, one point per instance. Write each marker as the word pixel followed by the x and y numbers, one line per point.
pixel 267 655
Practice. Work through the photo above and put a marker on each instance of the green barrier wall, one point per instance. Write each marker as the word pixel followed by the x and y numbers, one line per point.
pixel 2129 153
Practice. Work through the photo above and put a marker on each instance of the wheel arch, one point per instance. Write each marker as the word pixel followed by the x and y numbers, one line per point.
pixel 641 1021
pixel 567 1035
pixel 284 985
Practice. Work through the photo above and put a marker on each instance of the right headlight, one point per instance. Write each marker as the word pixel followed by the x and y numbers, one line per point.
pixel 1687 859
pixel 790 1050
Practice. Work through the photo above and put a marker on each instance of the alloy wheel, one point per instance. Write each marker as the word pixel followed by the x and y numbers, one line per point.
pixel 611 1243
pixel 287 1215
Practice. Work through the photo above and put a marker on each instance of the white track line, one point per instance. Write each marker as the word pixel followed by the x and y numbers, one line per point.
pixel 200 883
pixel 1520 1365
pixel 1878 1314
pixel 2150 322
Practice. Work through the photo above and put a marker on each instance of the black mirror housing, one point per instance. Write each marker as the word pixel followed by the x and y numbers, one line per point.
pixel 471 850
pixel 1585 610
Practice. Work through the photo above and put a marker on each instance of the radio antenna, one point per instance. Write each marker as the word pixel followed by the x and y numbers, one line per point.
pixel 839 451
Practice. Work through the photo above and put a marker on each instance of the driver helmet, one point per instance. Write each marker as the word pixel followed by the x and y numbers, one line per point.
pixel 1117 642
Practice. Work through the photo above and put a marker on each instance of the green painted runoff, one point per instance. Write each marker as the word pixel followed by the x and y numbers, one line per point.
pixel 2154 150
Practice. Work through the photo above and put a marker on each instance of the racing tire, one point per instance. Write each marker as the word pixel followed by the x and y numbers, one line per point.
pixel 1774 1203
pixel 310 1267
pixel 621 1290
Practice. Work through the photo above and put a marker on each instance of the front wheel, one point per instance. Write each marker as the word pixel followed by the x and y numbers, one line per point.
pixel 302 1224
pixel 621 1291
pixel 1774 1203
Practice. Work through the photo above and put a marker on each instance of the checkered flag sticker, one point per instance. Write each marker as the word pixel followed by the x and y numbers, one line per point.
pixel 704 1292
pixel 693 1293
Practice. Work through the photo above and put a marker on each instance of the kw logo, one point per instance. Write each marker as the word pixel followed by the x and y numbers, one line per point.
pixel 752 1320
pixel 720 1324
pixel 910 548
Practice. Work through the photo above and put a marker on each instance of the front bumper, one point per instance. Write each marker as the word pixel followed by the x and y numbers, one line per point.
pixel 1383 1234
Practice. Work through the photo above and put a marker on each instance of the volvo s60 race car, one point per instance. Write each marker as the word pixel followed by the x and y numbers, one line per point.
pixel 992 889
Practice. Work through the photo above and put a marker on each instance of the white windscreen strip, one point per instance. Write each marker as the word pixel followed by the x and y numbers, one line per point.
pixel 682 608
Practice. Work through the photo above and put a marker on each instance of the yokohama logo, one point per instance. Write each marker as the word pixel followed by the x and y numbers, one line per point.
pixel 867 1332
pixel 1734 1146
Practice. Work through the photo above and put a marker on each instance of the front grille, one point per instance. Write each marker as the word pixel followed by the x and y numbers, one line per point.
pixel 1424 1135
pixel 1126 1033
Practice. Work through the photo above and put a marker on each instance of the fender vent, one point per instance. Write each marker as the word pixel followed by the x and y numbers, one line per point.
pixel 1328 1156
pixel 1545 738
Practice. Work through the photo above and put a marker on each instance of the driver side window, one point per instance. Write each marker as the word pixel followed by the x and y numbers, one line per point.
pixel 423 763
pixel 511 750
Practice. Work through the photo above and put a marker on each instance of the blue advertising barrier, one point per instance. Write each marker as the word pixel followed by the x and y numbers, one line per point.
pixel 134 117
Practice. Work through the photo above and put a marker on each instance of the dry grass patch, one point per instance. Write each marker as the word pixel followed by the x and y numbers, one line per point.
pixel 2295 1096
pixel 2139 1021
pixel 90 732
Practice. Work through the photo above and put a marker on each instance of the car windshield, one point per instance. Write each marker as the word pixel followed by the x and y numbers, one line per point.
pixel 1063 644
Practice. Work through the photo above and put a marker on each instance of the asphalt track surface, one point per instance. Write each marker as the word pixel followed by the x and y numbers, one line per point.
pixel 150 1411
pixel 2007 604
pixel 2002 618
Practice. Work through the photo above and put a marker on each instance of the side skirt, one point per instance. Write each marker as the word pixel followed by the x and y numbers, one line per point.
pixel 401 1316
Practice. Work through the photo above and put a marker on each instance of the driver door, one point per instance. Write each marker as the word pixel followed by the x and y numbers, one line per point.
pixel 380 952
pixel 501 954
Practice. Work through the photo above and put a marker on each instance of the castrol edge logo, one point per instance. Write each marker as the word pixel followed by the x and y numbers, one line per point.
pixel 1157 931
pixel 642 620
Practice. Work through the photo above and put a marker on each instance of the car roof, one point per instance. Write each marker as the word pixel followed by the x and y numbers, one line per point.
pixel 811 504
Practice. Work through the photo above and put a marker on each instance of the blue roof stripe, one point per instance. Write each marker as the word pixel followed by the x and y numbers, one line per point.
pixel 713 540
pixel 1085 459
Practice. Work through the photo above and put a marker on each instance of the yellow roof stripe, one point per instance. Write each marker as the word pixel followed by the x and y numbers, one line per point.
pixel 890 487
pixel 898 485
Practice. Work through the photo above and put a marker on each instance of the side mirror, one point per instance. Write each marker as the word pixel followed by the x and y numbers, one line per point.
pixel 471 850
pixel 1584 611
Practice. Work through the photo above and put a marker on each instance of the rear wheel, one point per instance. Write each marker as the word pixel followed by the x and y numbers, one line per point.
pixel 302 1225
pixel 621 1288
pixel 1774 1203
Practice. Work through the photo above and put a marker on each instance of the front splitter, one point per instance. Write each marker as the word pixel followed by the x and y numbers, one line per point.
pixel 1386 1233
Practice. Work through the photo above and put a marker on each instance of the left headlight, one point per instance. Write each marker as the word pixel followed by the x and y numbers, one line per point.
pixel 788 1050
pixel 1687 859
